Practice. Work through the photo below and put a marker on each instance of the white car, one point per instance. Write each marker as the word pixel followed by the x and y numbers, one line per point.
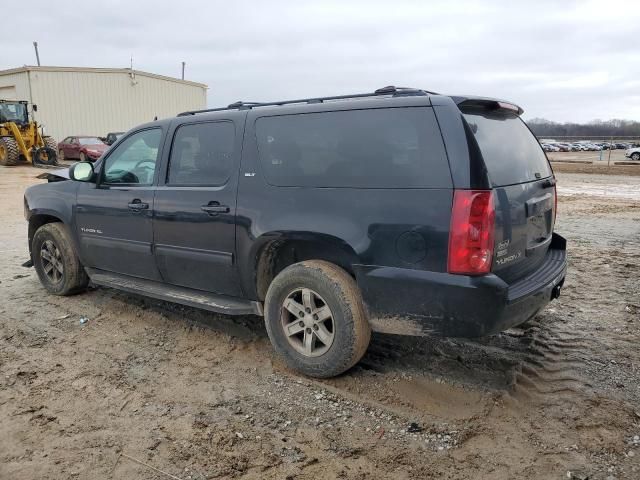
pixel 633 154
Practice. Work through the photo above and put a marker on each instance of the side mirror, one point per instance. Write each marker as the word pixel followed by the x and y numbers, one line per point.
pixel 35 108
pixel 81 172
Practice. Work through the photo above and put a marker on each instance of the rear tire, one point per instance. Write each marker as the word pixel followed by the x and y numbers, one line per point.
pixel 61 155
pixel 9 151
pixel 635 156
pixel 323 330
pixel 56 262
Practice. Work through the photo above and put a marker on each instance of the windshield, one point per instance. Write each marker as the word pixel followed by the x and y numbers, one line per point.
pixel 510 151
pixel 11 112
pixel 90 141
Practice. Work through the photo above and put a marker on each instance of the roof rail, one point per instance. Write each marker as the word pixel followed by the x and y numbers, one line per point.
pixel 389 90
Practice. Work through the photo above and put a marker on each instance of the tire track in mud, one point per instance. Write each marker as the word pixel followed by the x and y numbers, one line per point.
pixel 540 363
pixel 549 372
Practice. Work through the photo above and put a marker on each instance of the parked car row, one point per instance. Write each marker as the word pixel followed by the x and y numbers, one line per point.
pixel 82 147
pixel 584 146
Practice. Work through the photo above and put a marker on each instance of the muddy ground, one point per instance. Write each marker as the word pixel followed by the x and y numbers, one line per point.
pixel 145 387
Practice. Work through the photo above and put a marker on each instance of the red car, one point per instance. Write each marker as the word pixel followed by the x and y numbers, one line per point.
pixel 81 148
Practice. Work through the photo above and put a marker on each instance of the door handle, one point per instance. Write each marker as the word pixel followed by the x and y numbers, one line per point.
pixel 214 208
pixel 137 205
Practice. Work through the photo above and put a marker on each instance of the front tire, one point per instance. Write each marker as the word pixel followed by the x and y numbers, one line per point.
pixel 316 320
pixel 635 156
pixel 9 151
pixel 56 262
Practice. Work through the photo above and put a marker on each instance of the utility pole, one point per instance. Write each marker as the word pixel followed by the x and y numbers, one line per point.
pixel 35 45
pixel 183 64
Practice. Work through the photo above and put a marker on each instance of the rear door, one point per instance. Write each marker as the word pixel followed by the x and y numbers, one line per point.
pixel 524 189
pixel 195 207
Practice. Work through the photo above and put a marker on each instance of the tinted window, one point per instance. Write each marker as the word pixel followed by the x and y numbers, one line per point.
pixel 134 160
pixel 202 154
pixel 377 148
pixel 511 152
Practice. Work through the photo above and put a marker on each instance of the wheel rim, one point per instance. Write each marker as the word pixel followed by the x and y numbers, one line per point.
pixel 307 322
pixel 3 153
pixel 51 261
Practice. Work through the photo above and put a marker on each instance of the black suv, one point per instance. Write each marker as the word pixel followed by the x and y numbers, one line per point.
pixel 400 211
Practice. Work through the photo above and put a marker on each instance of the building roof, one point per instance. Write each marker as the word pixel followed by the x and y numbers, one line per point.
pixel 30 68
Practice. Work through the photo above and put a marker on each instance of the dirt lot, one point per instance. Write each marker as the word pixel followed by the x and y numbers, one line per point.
pixel 594 162
pixel 198 395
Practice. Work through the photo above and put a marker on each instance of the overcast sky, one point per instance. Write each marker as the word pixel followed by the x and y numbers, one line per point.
pixel 562 60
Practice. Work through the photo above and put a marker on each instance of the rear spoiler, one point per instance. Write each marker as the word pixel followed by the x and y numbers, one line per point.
pixel 487 103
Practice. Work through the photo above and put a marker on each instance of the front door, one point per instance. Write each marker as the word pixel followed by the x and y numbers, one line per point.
pixel 114 217
pixel 195 205
pixel 65 147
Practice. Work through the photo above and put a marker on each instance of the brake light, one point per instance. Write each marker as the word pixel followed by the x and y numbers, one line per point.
pixel 472 232
pixel 555 203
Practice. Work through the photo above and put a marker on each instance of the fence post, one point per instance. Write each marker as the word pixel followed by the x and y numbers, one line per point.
pixel 609 160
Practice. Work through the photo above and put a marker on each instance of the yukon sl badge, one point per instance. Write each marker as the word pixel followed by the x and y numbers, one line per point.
pixel 90 230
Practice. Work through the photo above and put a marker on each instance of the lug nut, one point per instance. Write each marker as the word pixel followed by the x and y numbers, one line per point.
pixel 315 317
pixel 308 330
pixel 315 327
pixel 308 310
pixel 301 324
pixel 301 314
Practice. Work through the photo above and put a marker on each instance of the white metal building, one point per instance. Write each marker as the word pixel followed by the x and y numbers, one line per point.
pixel 95 101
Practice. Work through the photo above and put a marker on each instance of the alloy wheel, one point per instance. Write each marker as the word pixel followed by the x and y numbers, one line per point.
pixel 307 322
pixel 52 261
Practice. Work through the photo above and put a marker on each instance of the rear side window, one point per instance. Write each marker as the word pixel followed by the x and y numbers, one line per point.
pixel 202 154
pixel 376 148
pixel 510 151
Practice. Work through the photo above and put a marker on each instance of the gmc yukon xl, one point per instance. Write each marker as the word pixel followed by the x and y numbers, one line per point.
pixel 399 211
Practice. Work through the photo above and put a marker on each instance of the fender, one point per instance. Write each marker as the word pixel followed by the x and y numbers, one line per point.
pixel 55 199
pixel 304 245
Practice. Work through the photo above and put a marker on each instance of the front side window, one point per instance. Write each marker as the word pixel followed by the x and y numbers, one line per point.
pixel 376 148
pixel 202 154
pixel 133 162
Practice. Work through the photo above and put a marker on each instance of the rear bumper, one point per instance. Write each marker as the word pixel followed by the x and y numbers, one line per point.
pixel 417 302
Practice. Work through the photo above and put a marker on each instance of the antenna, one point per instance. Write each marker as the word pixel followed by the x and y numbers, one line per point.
pixel 35 46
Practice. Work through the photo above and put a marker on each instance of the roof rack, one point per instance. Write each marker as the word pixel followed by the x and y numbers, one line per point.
pixel 389 90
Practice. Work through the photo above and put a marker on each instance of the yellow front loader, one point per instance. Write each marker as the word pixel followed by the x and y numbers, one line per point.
pixel 21 139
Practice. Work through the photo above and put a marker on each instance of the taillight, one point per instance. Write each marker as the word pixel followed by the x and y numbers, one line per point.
pixel 555 203
pixel 471 233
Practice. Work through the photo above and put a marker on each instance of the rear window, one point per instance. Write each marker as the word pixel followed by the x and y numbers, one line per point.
pixel 375 148
pixel 511 152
